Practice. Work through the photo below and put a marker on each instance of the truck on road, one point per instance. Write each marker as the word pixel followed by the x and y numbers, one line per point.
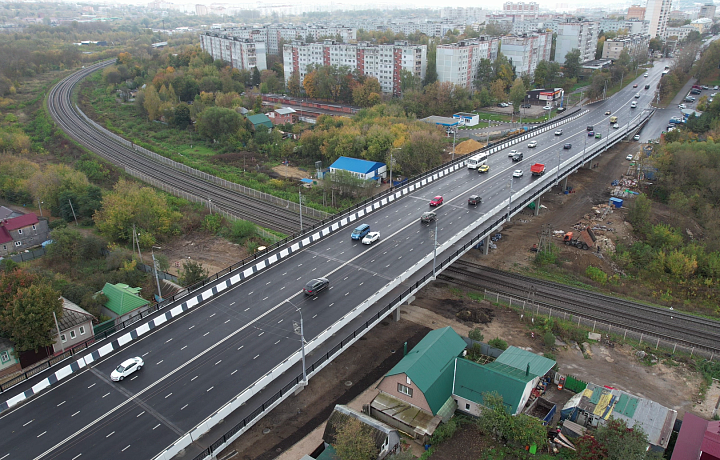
pixel 538 169
pixel 584 240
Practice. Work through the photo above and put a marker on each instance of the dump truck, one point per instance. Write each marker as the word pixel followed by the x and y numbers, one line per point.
pixel 538 169
pixel 584 240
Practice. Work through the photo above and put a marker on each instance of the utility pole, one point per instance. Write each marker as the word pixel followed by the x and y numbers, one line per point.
pixel 73 211
pixel 300 202
pixel 157 280
pixel 454 134
pixel 40 203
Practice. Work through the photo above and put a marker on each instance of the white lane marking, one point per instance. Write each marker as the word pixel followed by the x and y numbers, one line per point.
pixel 193 378
pixel 248 308
pixel 284 286
pixel 315 315
pixel 91 385
pixel 268 283
pixel 156 426
pixel 231 373
pixel 111 433
pixel 141 413
pixel 265 298
pixel 212 315
pixel 209 389
pixel 329 306
pixel 169 394
pixel 41 434
pixel 241 346
pixel 345 278
pixel 183 407
pixel 218 362
pixel 183 348
pixel 74 458
pixel 61 404
pixel 362 283
pixel 206 333
pixel 227 321
pixel 134 378
pixel 261 333
pixel 277 342
pixel 191 327
pixel 281 321
pixel 126 448
pixel 250 293
pixel 232 304
pixel 346 294
pixel 73 415
pixel 256 356
pixel 107 394
pixel 160 362
pixel 168 340
pixel 28 423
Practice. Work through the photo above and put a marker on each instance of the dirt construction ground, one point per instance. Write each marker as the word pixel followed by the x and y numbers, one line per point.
pixel 439 305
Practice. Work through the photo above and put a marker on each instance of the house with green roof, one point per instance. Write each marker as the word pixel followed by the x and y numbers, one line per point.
pixel 260 120
pixel 123 300
pixel 433 380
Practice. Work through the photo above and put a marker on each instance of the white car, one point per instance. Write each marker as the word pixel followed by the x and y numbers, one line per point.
pixel 629 157
pixel 616 126
pixel 633 105
pixel 558 132
pixel 547 107
pixel 682 107
pixel 371 237
pixel 518 173
pixel 126 368
pixel 636 137
pixel 716 87
pixel 637 95
pixel 713 94
pixel 646 75
pixel 532 144
pixel 512 152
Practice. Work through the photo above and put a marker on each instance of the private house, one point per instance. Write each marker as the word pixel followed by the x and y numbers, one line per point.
pixel 282 116
pixel 76 326
pixel 123 301
pixel 9 363
pixel 596 404
pixel 387 438
pixel 22 232
pixel 698 439
pixel 260 120
pixel 7 213
pixel 362 169
pixel 433 380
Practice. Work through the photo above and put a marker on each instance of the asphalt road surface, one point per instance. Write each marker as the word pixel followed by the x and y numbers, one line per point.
pixel 200 361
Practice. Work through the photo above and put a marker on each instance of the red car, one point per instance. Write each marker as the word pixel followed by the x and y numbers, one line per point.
pixel 437 201
pixel 635 85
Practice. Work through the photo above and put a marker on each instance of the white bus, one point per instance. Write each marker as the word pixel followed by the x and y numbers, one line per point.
pixel 476 160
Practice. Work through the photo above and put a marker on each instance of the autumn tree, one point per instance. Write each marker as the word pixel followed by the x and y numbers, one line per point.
pixel 130 203
pixel 497 90
pixel 484 75
pixel 517 94
pixel 293 85
pixel 28 304
pixel 572 63
pixel 368 93
pixel 354 440
pixel 151 102
pixel 622 442
pixel 218 123
pixel 192 272
pixel 421 153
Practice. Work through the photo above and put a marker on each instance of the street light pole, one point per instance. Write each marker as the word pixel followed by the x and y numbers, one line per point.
pixel 454 134
pixel 40 206
pixel 300 203
pixel 157 280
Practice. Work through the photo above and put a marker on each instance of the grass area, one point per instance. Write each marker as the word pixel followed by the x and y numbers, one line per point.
pixel 494 116
pixel 626 81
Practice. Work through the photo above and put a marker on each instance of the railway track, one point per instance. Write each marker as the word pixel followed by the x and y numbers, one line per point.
pixel 667 324
pixel 242 206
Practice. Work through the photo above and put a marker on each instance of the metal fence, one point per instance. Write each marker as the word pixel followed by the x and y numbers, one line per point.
pixel 535 309
pixel 27 255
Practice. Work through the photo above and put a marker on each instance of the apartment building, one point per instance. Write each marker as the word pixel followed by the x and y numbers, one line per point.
pixel 273 34
pixel 658 13
pixel 457 63
pixel 463 15
pixel 680 32
pixel 431 29
pixel 632 43
pixel 576 35
pixel 525 51
pixel 521 10
pixel 636 12
pixel 383 62
pixel 631 27
pixel 702 25
pixel 527 27
pixel 707 11
pixel 241 53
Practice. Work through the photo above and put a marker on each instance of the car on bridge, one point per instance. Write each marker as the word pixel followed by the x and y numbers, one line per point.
pixel 608 112
pixel 616 126
pixel 635 85
pixel 437 201
pixel 427 217
pixel 371 237
pixel 591 133
pixel 518 173
pixel 126 368
pixel 532 144
pixel 316 285
pixel 598 136
pixel 483 168
pixel 558 132
pixel 474 200
pixel 513 152
pixel 567 146
pixel 636 137
pixel 517 157
pixel 590 128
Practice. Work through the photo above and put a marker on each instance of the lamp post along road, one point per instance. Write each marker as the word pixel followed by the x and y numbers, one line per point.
pixel 157 280
pixel 300 203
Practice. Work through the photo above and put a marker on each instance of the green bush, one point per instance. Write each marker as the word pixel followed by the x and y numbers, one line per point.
pixel 596 275
pixel 476 335
pixel 549 339
pixel 213 223
pixel 241 230
pixel 499 343
pixel 547 257
pixel 444 432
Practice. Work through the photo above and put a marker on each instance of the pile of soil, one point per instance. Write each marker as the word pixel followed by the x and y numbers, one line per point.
pixel 476 315
pixel 468 146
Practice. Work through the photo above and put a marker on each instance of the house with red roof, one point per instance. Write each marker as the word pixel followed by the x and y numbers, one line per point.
pixel 698 439
pixel 20 233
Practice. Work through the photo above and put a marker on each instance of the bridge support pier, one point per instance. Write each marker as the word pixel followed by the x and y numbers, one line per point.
pixel 537 206
pixel 564 184
pixel 486 245
pixel 396 314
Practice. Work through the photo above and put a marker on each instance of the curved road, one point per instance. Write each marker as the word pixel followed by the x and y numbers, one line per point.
pixel 200 361
pixel 255 210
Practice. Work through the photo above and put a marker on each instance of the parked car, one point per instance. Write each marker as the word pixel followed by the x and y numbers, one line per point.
pixel 532 144
pixel 629 157
pixel 371 237
pixel 558 132
pixel 518 173
pixel 636 137
pixel 560 109
pixel 428 217
pixel 646 75
pixel 437 201
pixel 126 368
pixel 705 87
pixel 547 107
pixel 716 87
pixel 689 99
pixel 526 106
pixel 483 168
pixel 474 200
pixel 512 152
pixel 567 146
pixel 316 285
pixel 502 104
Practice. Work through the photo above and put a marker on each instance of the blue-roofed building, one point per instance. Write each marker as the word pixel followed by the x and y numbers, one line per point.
pixel 363 169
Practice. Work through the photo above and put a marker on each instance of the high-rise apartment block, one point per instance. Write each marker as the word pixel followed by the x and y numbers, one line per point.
pixel 383 62
pixel 521 10
pixel 636 12
pixel 634 44
pixel 457 63
pixel 527 50
pixel 274 34
pixel 658 13
pixel 576 35
pixel 241 53
pixel 707 11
